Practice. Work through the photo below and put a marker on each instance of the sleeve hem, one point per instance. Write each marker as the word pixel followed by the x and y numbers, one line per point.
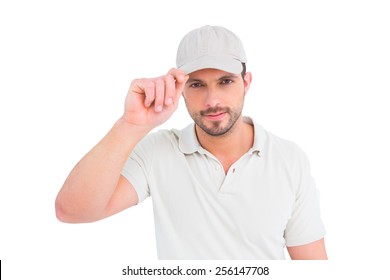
pixel 304 241
pixel 140 193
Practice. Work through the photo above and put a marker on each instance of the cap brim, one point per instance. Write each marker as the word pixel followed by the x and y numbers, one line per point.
pixel 224 63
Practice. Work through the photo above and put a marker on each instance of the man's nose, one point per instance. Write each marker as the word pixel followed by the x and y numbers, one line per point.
pixel 212 98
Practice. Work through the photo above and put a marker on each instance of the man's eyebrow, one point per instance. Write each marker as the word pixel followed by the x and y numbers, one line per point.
pixel 232 76
pixel 191 80
pixel 224 77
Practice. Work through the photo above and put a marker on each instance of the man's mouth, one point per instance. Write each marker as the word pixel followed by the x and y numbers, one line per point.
pixel 215 116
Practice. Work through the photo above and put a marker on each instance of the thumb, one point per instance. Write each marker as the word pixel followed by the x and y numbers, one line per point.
pixel 179 87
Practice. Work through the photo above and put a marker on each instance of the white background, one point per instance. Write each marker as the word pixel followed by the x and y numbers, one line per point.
pixel 321 72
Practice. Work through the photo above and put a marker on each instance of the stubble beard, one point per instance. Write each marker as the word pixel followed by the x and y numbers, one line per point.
pixel 217 128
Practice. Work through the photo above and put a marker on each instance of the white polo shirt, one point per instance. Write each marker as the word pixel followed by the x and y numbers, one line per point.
pixel 267 199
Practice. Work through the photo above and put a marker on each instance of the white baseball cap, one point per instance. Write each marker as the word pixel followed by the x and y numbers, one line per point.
pixel 211 47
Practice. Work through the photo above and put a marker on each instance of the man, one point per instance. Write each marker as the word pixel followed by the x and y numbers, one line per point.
pixel 223 187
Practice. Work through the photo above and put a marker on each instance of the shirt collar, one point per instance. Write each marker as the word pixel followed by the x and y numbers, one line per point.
pixel 260 135
pixel 188 142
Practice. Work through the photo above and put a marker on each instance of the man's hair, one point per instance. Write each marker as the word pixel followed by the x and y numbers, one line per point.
pixel 243 72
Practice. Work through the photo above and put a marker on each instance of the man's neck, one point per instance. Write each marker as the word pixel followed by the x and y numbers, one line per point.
pixel 229 147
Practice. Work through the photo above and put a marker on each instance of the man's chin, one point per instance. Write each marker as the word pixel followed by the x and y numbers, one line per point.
pixel 217 129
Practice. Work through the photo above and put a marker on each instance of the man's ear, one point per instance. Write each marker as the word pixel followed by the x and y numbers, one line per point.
pixel 247 81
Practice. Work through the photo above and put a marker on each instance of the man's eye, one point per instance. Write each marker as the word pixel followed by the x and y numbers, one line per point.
pixel 195 85
pixel 226 81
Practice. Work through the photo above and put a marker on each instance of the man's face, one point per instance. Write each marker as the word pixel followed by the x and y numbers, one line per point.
pixel 215 99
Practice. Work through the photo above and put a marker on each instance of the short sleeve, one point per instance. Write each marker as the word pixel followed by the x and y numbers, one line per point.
pixel 305 225
pixel 137 166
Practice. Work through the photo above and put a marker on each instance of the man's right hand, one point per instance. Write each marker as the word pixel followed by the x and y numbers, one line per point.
pixel 95 188
pixel 152 101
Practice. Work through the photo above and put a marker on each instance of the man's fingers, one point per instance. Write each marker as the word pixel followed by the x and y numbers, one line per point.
pixel 178 74
pixel 149 90
pixel 161 91
pixel 180 81
pixel 159 94
pixel 169 89
pixel 180 85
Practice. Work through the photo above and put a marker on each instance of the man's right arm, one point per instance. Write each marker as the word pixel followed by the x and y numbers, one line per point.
pixel 95 181
pixel 95 188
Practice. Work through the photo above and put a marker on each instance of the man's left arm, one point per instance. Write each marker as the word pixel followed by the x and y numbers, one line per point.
pixel 311 251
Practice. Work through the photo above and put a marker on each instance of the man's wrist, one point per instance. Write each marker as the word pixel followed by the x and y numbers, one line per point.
pixel 131 130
